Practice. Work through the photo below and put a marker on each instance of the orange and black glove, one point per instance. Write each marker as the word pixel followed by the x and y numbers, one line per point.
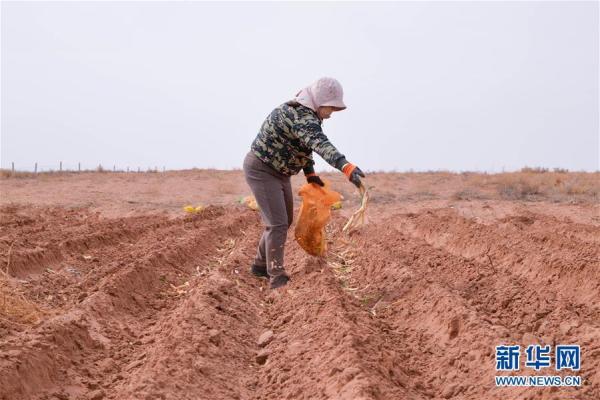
pixel 312 177
pixel 353 173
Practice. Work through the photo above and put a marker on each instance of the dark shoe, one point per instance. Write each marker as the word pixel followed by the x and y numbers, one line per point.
pixel 259 271
pixel 279 281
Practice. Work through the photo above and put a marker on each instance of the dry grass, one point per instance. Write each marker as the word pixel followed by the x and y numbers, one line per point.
pixel 7 173
pixel 14 307
pixel 532 184
pixel 529 184
pixel 468 193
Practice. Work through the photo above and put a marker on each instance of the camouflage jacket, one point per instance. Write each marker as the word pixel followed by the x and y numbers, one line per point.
pixel 288 137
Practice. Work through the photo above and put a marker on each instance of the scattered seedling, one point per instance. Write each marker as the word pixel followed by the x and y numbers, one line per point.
pixel 179 290
pixel 342 266
pixel 8 258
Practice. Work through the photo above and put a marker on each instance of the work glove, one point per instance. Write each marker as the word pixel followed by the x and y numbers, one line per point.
pixel 353 173
pixel 314 178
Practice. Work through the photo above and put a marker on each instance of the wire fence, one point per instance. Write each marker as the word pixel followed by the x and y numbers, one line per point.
pixel 79 167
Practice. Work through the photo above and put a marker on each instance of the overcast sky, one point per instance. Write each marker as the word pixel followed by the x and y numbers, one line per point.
pixel 429 85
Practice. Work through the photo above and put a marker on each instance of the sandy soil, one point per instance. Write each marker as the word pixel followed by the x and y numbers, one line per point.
pixel 130 298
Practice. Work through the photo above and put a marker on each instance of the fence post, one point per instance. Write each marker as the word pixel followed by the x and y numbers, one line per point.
pixel 138 169
pixel 79 167
pixel 127 169
pixel 114 168
pixel 60 167
pixel 12 167
pixel 35 168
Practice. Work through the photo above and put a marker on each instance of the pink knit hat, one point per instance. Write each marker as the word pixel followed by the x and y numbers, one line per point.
pixel 323 92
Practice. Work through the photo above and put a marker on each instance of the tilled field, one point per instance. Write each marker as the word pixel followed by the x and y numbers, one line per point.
pixel 409 307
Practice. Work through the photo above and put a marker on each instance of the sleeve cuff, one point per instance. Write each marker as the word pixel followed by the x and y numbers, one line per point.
pixel 309 171
pixel 341 162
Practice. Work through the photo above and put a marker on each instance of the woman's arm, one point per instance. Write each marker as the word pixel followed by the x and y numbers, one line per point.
pixel 311 175
pixel 311 134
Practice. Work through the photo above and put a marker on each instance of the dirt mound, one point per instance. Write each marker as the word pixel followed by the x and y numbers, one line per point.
pixel 160 307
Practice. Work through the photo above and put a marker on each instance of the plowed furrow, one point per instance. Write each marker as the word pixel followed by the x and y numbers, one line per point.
pixel 56 238
pixel 102 333
pixel 407 308
pixel 457 309
pixel 326 344
pixel 550 257
pixel 204 346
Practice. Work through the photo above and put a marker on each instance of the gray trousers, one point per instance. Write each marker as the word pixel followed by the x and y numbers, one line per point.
pixel 273 193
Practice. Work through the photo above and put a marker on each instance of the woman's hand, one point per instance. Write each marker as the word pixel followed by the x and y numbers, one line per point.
pixel 353 173
pixel 314 178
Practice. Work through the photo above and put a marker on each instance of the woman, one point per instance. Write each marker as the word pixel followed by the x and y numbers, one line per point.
pixel 282 148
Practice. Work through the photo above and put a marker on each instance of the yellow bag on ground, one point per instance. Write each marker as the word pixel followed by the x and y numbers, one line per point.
pixel 193 210
pixel 315 212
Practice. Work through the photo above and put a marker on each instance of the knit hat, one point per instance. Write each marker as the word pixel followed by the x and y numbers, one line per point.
pixel 323 92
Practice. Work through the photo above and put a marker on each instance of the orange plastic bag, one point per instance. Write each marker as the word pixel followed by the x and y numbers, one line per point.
pixel 315 212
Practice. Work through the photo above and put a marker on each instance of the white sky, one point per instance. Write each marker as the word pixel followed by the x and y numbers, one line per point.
pixel 429 85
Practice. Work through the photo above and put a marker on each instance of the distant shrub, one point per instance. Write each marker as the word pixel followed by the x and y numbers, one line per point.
pixel 468 194
pixel 519 189
pixel 424 195
pixel 535 170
